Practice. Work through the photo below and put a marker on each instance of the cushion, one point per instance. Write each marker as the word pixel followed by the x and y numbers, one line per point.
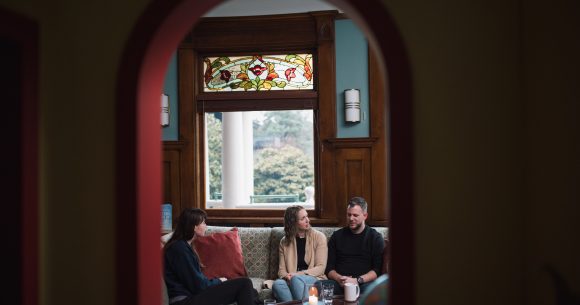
pixel 255 247
pixel 221 253
pixel 277 234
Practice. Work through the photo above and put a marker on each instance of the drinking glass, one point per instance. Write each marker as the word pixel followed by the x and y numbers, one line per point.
pixel 326 293
pixel 269 302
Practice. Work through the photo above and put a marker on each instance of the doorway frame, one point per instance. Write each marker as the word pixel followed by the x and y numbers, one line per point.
pixel 138 143
pixel 23 32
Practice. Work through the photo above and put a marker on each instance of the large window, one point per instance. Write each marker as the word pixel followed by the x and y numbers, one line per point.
pixel 259 159
pixel 228 67
pixel 268 84
pixel 263 158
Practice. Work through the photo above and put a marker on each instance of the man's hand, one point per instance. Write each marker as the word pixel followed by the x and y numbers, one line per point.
pixel 346 279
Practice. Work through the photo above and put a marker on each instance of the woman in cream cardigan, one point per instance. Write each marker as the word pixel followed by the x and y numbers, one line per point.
pixel 303 253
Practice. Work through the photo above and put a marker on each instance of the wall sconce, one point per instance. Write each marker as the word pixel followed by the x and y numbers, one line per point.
pixel 164 110
pixel 352 105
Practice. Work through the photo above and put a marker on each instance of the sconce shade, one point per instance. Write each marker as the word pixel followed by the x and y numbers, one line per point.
pixel 352 105
pixel 164 110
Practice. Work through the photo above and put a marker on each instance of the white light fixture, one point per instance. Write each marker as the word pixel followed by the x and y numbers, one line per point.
pixel 352 105
pixel 164 110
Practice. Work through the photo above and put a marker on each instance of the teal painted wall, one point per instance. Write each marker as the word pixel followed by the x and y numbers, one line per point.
pixel 170 133
pixel 351 72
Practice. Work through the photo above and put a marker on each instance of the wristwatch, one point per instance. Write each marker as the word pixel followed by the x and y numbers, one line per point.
pixel 360 280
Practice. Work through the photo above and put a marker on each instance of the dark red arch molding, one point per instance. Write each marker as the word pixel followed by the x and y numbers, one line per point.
pixel 384 35
pixel 138 175
pixel 19 77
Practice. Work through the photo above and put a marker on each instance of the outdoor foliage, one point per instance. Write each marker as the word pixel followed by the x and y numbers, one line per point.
pixel 283 154
pixel 289 127
pixel 282 171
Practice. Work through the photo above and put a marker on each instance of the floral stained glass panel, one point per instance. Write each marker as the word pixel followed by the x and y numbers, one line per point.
pixel 258 73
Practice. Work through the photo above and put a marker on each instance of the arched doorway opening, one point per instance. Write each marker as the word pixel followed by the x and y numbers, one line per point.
pixel 138 146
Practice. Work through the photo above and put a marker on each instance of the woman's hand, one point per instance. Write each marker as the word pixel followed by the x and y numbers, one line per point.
pixel 288 277
pixel 223 279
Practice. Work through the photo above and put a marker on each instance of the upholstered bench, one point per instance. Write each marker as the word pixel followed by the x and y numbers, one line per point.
pixel 259 247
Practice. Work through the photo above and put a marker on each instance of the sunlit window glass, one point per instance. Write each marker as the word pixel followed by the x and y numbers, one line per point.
pixel 259 159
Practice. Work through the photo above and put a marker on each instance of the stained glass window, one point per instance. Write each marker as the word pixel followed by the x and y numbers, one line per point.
pixel 258 73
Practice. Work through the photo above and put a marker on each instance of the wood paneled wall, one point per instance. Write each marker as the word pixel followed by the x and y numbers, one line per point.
pixel 173 175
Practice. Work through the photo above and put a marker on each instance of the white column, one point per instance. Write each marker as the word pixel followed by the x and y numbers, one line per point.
pixel 206 160
pixel 232 160
pixel 248 143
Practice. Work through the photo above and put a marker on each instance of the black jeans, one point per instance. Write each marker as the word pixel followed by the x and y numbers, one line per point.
pixel 238 290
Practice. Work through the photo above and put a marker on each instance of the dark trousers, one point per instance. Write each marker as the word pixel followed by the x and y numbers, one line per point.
pixel 238 290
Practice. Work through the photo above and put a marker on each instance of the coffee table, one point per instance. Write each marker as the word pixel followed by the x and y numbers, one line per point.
pixel 337 300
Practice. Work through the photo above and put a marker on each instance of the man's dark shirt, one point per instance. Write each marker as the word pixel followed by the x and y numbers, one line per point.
pixel 355 254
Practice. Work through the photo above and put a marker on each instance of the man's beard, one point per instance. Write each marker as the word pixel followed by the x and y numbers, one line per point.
pixel 355 228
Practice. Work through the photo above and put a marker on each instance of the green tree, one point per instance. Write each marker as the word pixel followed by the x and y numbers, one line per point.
pixel 283 171
pixel 291 127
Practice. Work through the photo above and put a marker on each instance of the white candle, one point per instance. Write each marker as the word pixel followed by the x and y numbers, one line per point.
pixel 312 300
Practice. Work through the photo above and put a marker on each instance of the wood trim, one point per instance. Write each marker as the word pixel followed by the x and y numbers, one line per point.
pixel 248 33
pixel 379 213
pixel 326 116
pixel 258 95
pixel 193 102
pixel 172 175
pixel 254 105
pixel 264 221
pixel 187 127
pixel 352 142
pixel 173 145
pixel 353 166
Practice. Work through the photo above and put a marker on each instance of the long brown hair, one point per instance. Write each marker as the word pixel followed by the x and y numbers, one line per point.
pixel 290 220
pixel 185 228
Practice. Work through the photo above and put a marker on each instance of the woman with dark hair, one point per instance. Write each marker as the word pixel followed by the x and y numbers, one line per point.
pixel 186 283
pixel 303 252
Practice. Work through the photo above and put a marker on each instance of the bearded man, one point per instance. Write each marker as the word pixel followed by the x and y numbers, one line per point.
pixel 354 252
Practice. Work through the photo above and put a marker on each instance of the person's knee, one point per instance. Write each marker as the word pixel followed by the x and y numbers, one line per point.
pixel 279 283
pixel 296 280
pixel 246 283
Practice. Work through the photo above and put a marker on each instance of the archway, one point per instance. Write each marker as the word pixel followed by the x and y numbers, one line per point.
pixel 138 148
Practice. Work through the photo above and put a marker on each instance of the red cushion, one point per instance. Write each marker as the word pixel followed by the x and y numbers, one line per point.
pixel 221 253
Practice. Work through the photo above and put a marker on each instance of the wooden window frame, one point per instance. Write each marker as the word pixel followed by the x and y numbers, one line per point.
pixel 312 33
